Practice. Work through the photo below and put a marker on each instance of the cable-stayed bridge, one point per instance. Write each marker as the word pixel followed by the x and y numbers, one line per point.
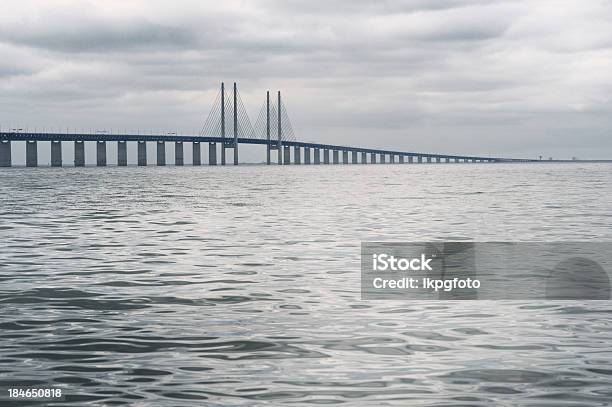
pixel 227 127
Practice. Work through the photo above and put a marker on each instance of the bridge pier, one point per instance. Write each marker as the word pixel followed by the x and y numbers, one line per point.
pixel 429 160
pixel 325 156
pixel 373 158
pixel 345 157
pixel 279 156
pixel 5 153
pixel 161 153
pixel 306 155
pixel 142 153
pixel 335 156
pixel 122 153
pixel 446 160
pixel 354 157
pixel 297 159
pixel 364 157
pixel 286 155
pixel 31 153
pixel 79 153
pixel 269 149
pixel 392 158
pixel 101 153
pixel 226 145
pixel 401 159
pixel 410 159
pixel 317 156
pixel 56 153
pixel 178 153
pixel 382 158
pixel 197 154
pixel 212 153
pixel 420 159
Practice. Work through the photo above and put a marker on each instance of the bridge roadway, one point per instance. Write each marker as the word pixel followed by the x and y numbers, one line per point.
pixel 31 152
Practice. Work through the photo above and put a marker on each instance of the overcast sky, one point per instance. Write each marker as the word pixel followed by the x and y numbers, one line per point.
pixel 513 78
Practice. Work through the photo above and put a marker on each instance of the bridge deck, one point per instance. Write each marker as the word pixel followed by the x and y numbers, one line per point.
pixel 24 136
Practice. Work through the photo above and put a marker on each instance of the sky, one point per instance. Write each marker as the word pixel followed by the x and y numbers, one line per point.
pixel 500 78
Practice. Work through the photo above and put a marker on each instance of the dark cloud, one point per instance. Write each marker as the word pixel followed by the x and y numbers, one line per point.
pixel 437 75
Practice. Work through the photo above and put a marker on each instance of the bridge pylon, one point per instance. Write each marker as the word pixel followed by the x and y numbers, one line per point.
pixel 229 142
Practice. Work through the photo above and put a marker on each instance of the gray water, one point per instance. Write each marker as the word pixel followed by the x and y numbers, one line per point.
pixel 240 286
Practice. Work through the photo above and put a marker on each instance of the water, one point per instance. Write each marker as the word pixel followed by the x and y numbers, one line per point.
pixel 240 286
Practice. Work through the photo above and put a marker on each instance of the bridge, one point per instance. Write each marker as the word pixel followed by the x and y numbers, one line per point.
pixel 226 128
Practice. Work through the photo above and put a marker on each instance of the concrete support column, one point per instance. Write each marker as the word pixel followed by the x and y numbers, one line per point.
pixel 161 153
pixel 410 159
pixel 345 157
pixel 297 156
pixel 306 155
pixel 354 157
pixel 178 153
pixel 392 158
pixel 401 159
pixel 122 153
pixel 197 154
pixel 317 156
pixel 382 158
pixel 56 153
pixel 79 153
pixel 31 153
pixel 142 153
pixel 212 153
pixel 335 154
pixel 5 153
pixel 101 153
pixel 286 155
pixel 429 159
pixel 437 159
pixel 373 158
pixel 446 160
pixel 326 156
pixel 364 157
pixel 419 159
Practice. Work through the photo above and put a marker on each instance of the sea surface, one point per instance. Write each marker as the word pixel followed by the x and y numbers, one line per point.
pixel 240 286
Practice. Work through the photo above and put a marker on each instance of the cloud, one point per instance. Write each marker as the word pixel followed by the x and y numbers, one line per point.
pixel 436 75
